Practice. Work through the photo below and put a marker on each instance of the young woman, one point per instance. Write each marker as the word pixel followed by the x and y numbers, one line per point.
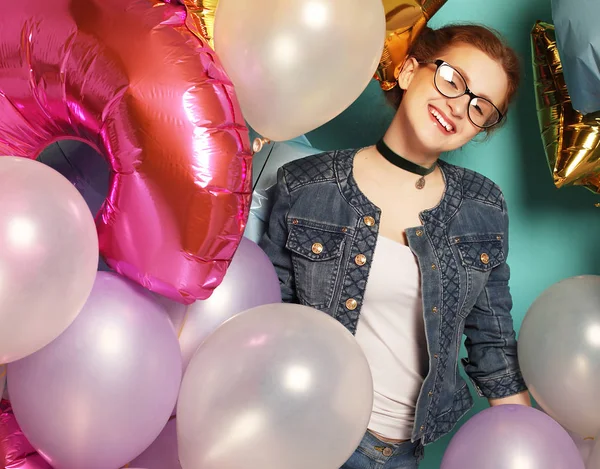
pixel 409 252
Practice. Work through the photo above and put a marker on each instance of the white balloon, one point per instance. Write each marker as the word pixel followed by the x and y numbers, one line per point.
pixel 584 445
pixel 593 460
pixel 278 386
pixel 297 64
pixel 559 353
pixel 48 259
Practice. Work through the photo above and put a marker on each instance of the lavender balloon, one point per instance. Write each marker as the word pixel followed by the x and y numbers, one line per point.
pixel 162 454
pixel 250 281
pixel 101 393
pixel 512 437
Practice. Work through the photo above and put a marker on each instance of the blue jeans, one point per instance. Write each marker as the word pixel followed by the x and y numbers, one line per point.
pixel 376 454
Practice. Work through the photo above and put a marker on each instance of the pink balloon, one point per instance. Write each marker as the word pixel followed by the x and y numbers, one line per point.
pixel 129 78
pixel 162 454
pixel 102 392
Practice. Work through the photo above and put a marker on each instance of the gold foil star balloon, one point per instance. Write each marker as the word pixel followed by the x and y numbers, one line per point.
pixel 201 13
pixel 405 19
pixel 571 140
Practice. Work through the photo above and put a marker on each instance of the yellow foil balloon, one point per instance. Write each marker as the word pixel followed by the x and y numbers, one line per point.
pixel 571 140
pixel 405 19
pixel 201 13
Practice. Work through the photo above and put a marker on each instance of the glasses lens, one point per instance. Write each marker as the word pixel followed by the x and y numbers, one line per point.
pixel 449 82
pixel 452 85
pixel 483 113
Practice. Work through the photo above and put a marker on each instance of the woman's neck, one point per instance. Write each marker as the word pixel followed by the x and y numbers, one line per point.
pixel 401 141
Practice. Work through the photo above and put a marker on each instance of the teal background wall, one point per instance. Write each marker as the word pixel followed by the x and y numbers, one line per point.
pixel 553 233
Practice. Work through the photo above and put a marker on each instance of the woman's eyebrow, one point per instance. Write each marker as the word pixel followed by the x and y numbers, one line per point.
pixel 468 80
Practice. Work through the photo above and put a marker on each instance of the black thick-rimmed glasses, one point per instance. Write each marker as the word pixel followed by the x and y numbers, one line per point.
pixel 451 84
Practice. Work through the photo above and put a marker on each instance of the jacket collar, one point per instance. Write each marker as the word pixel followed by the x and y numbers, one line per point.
pixel 441 213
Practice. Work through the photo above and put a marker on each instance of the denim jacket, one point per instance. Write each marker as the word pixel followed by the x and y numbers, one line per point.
pixel 321 237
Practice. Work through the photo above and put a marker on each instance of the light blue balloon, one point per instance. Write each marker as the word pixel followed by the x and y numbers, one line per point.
pixel 264 166
pixel 578 40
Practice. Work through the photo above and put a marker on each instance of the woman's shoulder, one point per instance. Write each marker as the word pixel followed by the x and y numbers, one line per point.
pixel 474 185
pixel 320 167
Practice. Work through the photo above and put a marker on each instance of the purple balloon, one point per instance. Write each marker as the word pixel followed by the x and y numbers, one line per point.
pixel 162 454
pixel 250 281
pixel 101 393
pixel 512 437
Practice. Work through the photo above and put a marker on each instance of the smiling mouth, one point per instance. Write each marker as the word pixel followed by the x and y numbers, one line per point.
pixel 445 125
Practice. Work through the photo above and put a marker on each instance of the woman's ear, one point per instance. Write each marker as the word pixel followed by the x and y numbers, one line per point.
pixel 407 72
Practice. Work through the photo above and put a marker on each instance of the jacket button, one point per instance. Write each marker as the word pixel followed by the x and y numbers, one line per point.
pixel 351 304
pixel 317 248
pixel 430 393
pixel 369 221
pixel 436 356
pixel 422 428
pixel 361 259
pixel 344 230
pixel 434 309
pixel 419 232
pixel 433 267
pixel 294 221
pixel 485 258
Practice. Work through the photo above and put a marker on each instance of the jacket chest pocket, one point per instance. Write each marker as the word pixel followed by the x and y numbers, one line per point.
pixel 316 256
pixel 479 255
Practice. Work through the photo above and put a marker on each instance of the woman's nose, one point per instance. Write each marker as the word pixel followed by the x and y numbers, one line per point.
pixel 459 106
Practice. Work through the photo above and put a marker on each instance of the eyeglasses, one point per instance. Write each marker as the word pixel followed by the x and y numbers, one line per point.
pixel 451 84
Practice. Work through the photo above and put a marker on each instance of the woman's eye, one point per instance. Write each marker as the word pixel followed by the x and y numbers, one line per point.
pixel 452 84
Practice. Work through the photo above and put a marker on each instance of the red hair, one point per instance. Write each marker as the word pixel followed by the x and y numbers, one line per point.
pixel 433 42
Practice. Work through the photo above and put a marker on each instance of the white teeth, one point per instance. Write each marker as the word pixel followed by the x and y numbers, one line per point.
pixel 441 120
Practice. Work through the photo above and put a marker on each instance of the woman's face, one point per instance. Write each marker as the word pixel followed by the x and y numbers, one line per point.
pixel 440 124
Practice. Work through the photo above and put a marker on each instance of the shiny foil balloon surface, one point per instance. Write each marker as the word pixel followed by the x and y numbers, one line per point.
pixel 405 19
pixel 132 80
pixel 571 140
pixel 202 14
pixel 15 450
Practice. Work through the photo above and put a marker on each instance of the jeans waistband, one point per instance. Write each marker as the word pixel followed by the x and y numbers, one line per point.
pixel 382 451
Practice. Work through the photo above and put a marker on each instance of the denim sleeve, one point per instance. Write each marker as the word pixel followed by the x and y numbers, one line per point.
pixel 274 240
pixel 492 362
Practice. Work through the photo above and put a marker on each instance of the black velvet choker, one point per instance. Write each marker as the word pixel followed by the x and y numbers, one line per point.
pixel 404 164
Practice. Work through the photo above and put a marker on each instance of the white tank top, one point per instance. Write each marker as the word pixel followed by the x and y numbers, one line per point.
pixel 391 333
